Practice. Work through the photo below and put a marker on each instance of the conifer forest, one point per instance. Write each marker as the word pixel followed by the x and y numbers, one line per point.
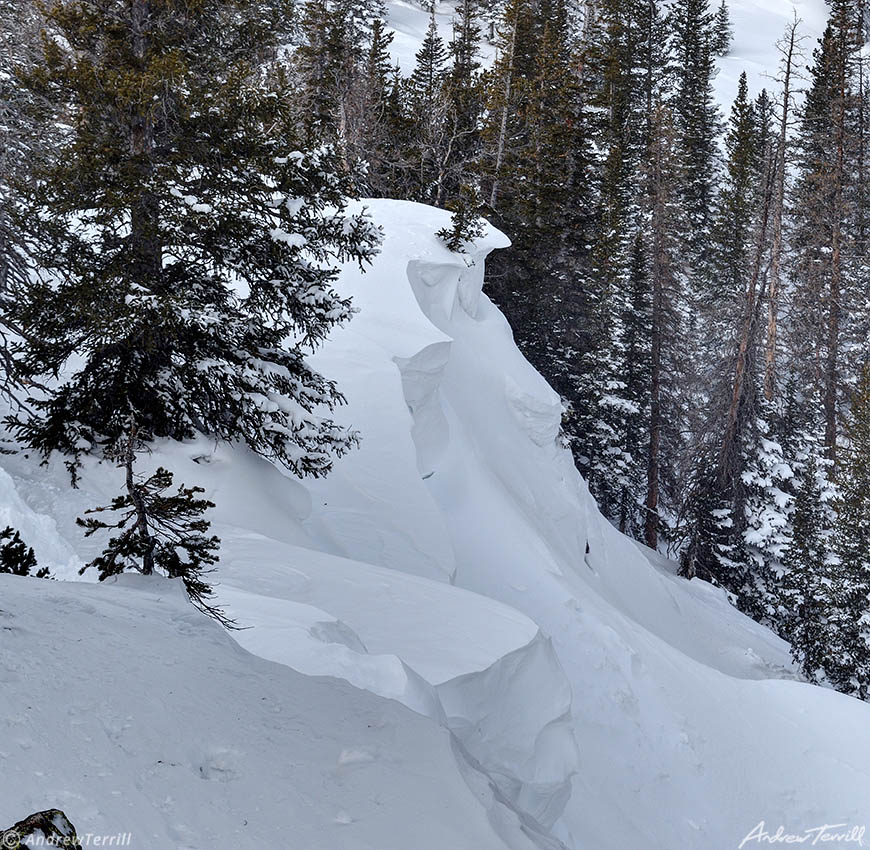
pixel 693 282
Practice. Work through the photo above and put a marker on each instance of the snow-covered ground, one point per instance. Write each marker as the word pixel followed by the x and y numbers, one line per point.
pixel 503 669
pixel 758 25
pixel 408 21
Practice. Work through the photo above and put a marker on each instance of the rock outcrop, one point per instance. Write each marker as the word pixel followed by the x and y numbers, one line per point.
pixel 51 828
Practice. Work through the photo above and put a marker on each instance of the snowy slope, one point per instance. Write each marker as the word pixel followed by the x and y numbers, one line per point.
pixel 683 740
pixel 560 688
pixel 133 713
pixel 758 25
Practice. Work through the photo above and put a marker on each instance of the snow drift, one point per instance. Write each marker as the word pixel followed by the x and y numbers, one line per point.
pixel 560 688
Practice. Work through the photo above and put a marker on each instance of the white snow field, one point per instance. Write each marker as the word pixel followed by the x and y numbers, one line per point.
pixel 478 659
pixel 758 25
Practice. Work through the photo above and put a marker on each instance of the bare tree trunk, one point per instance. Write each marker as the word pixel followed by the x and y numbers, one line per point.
pixel 661 276
pixel 832 359
pixel 728 456
pixel 651 528
pixel 135 494
pixel 778 204
pixel 862 131
pixel 833 342
pixel 502 131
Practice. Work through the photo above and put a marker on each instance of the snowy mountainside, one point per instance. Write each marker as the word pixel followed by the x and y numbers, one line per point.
pixel 757 27
pixel 565 689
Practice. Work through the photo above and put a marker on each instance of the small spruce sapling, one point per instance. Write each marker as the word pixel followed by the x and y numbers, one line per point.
pixel 466 225
pixel 723 33
pixel 157 530
pixel 17 558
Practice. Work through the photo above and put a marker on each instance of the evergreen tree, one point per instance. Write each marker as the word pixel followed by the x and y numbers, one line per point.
pixel 466 225
pixel 737 203
pixel 505 133
pixel 427 78
pixel 380 117
pixel 807 574
pixel 17 558
pixel 766 503
pixel 826 262
pixel 636 273
pixel 157 530
pixel 723 33
pixel 27 130
pixel 697 123
pixel 187 245
pixel 464 96
pixel 849 669
pixel 18 38
pixel 428 105
pixel 333 65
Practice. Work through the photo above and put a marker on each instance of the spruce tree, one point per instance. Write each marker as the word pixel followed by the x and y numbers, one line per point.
pixel 723 33
pixel 188 244
pixel 466 225
pixel 157 530
pixel 697 123
pixel 737 203
pixel 17 558
pixel 464 96
pixel 804 588
pixel 379 119
pixel 636 272
pixel 332 64
pixel 28 128
pixel 826 262
pixel 851 617
pixel 428 106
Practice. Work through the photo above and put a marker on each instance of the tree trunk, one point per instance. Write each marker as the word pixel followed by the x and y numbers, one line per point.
pixel 778 204
pixel 661 272
pixel 729 454
pixel 145 212
pixel 832 359
pixel 502 131
pixel 138 501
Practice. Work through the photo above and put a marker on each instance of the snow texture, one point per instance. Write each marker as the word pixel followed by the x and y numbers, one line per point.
pixel 445 645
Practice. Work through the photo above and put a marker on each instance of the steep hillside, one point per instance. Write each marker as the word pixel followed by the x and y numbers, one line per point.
pixel 567 690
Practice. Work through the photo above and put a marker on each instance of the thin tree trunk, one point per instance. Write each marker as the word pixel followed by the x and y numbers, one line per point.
pixel 502 131
pixel 139 504
pixel 728 455
pixel 832 359
pixel 778 205
pixel 144 213
pixel 655 413
pixel 661 272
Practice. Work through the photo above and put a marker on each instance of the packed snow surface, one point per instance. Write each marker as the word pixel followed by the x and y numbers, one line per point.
pixel 445 646
pixel 134 714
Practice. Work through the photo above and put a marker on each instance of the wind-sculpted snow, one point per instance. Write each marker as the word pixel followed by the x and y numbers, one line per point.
pixel 128 708
pixel 683 739
pixel 568 689
pixel 421 376
pixel 514 719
